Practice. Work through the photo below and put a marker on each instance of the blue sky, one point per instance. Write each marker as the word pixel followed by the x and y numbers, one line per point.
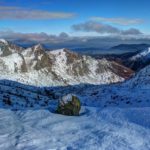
pixel 83 10
pixel 29 19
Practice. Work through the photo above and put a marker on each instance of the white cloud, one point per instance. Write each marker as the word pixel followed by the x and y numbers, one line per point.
pixel 21 13
pixel 120 21
pixel 93 26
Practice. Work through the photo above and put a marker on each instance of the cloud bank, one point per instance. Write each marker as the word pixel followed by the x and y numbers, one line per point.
pixel 63 40
pixel 92 26
pixel 8 12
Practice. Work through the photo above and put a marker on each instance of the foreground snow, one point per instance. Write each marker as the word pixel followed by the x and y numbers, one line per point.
pixel 120 119
pixel 95 129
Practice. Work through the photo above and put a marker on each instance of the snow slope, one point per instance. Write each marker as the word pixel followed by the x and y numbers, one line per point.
pixel 95 129
pixel 131 93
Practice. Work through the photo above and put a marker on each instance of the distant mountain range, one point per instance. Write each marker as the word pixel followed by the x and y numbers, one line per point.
pixel 115 50
pixel 137 58
pixel 127 48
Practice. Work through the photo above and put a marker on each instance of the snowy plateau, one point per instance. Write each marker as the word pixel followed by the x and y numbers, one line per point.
pixel 115 113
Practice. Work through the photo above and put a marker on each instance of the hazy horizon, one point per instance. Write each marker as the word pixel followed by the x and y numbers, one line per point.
pixel 75 24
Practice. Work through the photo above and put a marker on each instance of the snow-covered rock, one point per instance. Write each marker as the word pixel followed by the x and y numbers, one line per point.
pixel 69 105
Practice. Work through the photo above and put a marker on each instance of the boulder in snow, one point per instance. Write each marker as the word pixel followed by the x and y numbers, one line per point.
pixel 69 105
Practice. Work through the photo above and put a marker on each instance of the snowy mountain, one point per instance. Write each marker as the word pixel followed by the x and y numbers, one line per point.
pixel 36 66
pixel 133 56
pixel 141 79
pixel 132 92
pixel 143 54
pixel 7 48
pixel 140 60
pixel 126 48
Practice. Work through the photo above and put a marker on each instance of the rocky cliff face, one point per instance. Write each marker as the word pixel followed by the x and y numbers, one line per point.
pixel 37 66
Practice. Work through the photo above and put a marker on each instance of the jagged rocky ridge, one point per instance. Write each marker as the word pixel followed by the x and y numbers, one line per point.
pixel 140 60
pixel 133 92
pixel 36 66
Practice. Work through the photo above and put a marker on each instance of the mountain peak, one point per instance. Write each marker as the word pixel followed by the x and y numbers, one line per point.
pixel 3 41
pixel 38 47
